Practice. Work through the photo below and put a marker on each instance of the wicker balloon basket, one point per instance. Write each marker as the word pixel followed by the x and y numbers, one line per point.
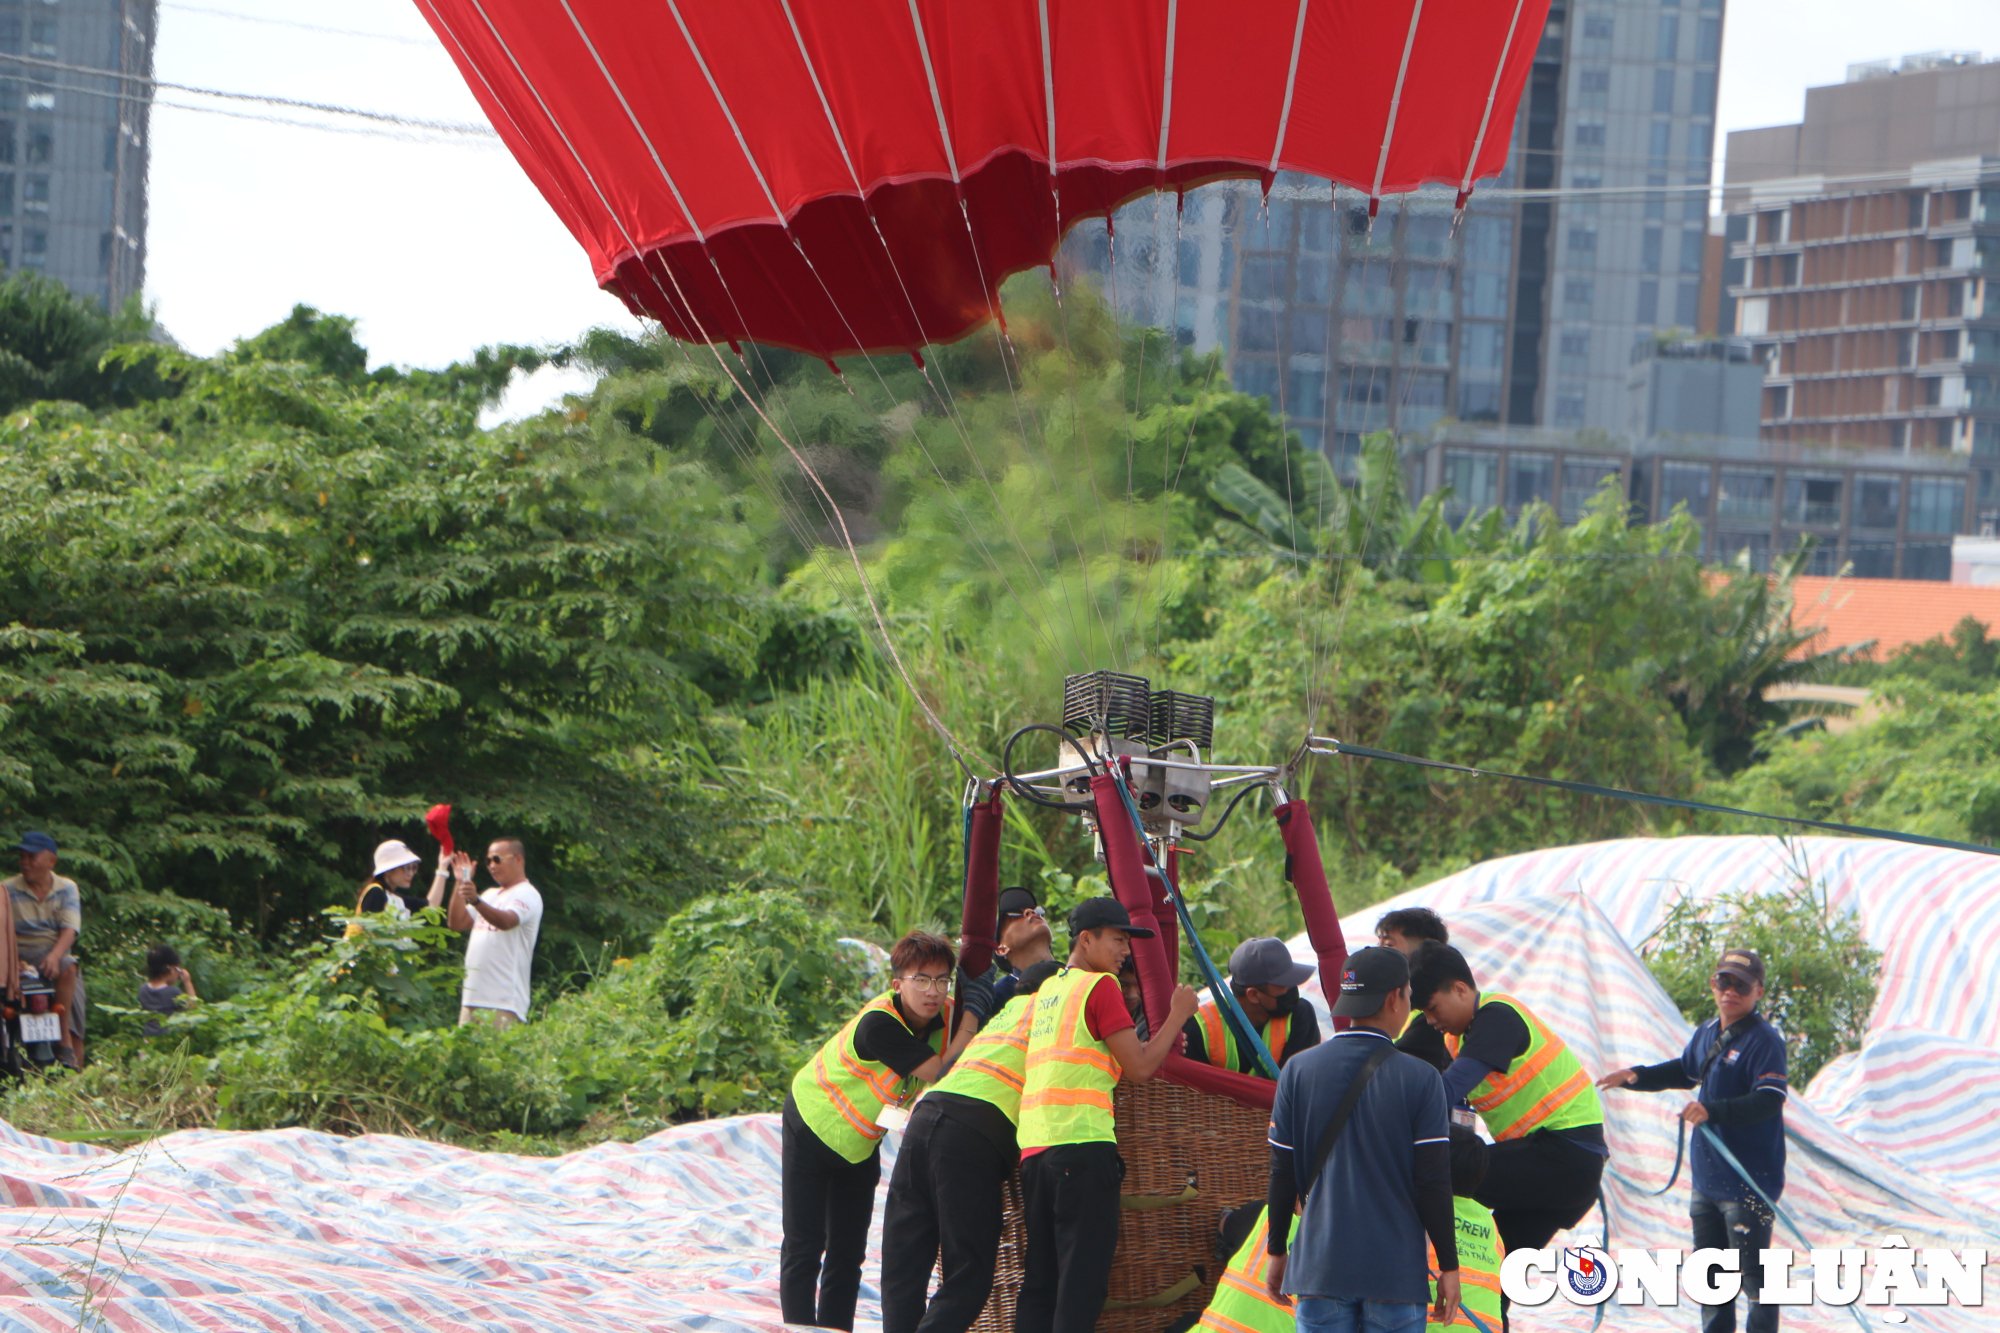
pixel 1188 1156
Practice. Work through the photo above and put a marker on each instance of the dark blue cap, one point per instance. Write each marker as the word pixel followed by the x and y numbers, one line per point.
pixel 34 840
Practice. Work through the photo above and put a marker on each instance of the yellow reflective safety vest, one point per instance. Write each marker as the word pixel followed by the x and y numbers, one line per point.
pixel 994 1065
pixel 1066 1097
pixel 1545 1087
pixel 1479 1255
pixel 840 1095
pixel 1218 1041
pixel 1242 1303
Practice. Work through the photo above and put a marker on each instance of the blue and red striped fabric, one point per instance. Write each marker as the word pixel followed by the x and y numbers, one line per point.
pixel 1899 1138
pixel 288 1230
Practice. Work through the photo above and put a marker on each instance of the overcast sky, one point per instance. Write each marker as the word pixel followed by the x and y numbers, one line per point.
pixel 440 246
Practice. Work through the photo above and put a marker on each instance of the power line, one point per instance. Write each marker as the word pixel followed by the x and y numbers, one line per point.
pixel 455 127
pixel 299 25
pixel 326 127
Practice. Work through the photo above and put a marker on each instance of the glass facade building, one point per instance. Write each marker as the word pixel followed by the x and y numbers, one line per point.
pixel 75 96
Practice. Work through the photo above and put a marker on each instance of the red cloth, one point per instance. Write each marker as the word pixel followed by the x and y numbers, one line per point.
pixel 1104 1011
pixel 982 887
pixel 438 820
pixel 1308 875
pixel 730 209
pixel 1125 861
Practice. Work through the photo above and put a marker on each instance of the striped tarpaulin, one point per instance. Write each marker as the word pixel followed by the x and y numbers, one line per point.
pixel 290 1231
pixel 1900 1138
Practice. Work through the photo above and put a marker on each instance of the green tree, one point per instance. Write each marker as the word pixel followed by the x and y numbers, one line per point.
pixel 55 346
pixel 251 630
pixel 1820 973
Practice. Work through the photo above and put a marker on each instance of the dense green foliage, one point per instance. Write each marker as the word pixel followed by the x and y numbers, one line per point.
pixel 249 630
pixel 258 611
pixel 1820 978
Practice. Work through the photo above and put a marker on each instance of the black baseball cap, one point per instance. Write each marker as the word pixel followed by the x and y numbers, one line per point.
pixel 1367 979
pixel 1745 964
pixel 1104 914
pixel 1015 900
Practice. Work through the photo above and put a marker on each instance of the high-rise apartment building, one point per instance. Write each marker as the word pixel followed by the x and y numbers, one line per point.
pixel 1527 311
pixel 75 93
pixel 1861 241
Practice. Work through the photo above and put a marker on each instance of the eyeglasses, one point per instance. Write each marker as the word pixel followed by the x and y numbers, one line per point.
pixel 930 985
pixel 1041 913
pixel 498 856
pixel 1725 981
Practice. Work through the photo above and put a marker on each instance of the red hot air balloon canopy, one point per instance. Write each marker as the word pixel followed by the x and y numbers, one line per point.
pixel 857 175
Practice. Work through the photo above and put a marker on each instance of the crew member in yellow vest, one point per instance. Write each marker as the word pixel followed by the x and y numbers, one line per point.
pixel 1479 1255
pixel 1548 1154
pixel 1243 1302
pixel 1265 980
pixel 946 1195
pixel 833 1127
pixel 1081 1042
pixel 1405 929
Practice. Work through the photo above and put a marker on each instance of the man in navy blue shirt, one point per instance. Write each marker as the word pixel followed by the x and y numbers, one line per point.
pixel 1736 1060
pixel 1358 1261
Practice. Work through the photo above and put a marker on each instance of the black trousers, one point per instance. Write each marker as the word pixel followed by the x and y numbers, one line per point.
pixel 827 1202
pixel 1743 1225
pixel 1537 1186
pixel 1071 1197
pixel 945 1199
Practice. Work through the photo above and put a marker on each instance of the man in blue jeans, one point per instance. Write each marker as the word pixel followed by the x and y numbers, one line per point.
pixel 1358 1264
pixel 1736 1061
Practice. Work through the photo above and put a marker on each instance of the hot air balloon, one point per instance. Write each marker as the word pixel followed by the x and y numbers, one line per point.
pixel 862 175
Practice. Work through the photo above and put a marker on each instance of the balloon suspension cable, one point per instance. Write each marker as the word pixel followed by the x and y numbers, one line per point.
pixel 1327 745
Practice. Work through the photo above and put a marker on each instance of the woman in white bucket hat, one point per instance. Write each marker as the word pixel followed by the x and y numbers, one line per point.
pixel 389 887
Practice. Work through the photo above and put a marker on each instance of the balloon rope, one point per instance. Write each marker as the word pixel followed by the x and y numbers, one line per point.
pixel 1321 745
pixel 799 460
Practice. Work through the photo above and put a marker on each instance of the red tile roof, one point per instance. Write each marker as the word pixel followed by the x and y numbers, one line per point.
pixel 1891 612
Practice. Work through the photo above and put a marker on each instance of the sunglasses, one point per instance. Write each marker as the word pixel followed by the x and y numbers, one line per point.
pixel 1040 912
pixel 1725 981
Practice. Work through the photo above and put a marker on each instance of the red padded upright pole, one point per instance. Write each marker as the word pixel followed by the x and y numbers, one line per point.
pixel 982 885
pixel 1125 860
pixel 1163 911
pixel 1308 875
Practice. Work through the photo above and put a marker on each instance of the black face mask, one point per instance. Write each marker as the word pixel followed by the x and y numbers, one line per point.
pixel 1286 1002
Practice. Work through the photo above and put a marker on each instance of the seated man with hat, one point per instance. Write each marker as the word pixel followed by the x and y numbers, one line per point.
pixel 48 915
pixel 1265 981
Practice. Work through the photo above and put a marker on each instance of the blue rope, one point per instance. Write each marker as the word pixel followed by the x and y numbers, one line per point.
pixel 1722 1150
pixel 1225 1000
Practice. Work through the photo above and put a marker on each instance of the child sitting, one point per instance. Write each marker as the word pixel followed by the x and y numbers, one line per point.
pixel 166 983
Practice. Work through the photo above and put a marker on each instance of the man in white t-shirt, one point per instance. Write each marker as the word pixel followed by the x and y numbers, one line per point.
pixel 503 921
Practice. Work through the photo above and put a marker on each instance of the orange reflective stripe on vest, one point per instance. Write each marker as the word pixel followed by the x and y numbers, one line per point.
pixel 1479 1254
pixel 1066 1097
pixel 993 1067
pixel 1546 1088
pixel 840 1096
pixel 1219 1041
pixel 1242 1303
